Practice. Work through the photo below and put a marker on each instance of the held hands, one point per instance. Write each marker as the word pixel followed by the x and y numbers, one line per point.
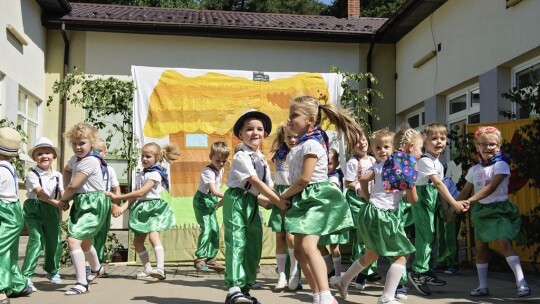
pixel 462 206
pixel 113 197
pixel 62 205
pixel 116 210
pixel 283 204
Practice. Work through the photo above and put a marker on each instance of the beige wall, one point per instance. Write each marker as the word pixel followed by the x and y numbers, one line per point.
pixel 475 36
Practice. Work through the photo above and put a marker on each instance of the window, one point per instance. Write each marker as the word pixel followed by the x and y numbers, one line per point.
pixel 28 118
pixel 196 140
pixel 417 120
pixel 524 76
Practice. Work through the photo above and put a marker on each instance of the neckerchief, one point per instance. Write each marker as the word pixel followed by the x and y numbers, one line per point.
pixel 500 156
pixel 281 152
pixel 163 172
pixel 399 172
pixel 102 162
pixel 318 134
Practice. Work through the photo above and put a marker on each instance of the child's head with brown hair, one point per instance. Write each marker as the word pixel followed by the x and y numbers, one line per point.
pixel 360 148
pixel 219 153
pixel 152 153
pixel 409 140
pixel 488 141
pixel 333 160
pixel 306 113
pixel 284 135
pixel 435 136
pixel 382 144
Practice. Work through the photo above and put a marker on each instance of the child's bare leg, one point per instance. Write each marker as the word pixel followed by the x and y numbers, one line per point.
pixel 302 260
pixel 513 261
pixel 138 243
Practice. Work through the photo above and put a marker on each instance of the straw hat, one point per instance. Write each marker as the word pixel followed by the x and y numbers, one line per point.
pixel 267 123
pixel 10 141
pixel 43 142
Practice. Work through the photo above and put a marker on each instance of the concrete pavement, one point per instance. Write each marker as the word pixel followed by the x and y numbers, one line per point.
pixel 185 285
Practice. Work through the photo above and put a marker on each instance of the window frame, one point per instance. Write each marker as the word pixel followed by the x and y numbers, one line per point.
pixel 517 69
pixel 469 109
pixel 421 113
pixel 24 116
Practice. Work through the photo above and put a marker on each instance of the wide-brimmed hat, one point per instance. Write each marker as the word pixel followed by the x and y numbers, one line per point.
pixel 267 123
pixel 43 142
pixel 10 141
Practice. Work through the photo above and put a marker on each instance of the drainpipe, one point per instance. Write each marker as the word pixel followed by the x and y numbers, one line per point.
pixel 63 98
pixel 369 84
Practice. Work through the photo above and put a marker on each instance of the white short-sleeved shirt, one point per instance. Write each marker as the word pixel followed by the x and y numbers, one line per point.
pixel 427 166
pixel 295 159
pixel 480 176
pixel 110 180
pixel 282 172
pixel 51 183
pixel 379 197
pixel 353 167
pixel 91 167
pixel 210 176
pixel 8 184
pixel 247 163
pixel 155 191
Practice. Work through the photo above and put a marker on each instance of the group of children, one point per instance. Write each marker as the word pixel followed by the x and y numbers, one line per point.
pixel 94 189
pixel 400 185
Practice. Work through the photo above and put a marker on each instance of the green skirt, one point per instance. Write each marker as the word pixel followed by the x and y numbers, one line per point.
pixel 150 216
pixel 276 219
pixel 355 203
pixel 320 209
pixel 332 239
pixel 88 214
pixel 495 221
pixel 404 213
pixel 383 233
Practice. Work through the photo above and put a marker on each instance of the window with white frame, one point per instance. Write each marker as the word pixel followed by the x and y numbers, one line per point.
pixel 523 77
pixel 28 118
pixel 417 119
pixel 462 107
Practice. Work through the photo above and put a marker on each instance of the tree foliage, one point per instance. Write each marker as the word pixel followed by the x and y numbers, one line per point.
pixel 108 106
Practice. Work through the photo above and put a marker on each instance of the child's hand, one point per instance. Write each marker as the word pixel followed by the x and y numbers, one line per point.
pixel 462 206
pixel 109 194
pixel 284 204
pixel 116 210
pixel 63 205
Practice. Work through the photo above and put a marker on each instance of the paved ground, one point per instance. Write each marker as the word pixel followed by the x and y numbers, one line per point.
pixel 185 285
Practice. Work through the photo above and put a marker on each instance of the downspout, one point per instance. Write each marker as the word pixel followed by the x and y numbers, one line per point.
pixel 63 98
pixel 369 84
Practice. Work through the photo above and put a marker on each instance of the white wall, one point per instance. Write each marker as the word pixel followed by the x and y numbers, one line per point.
pixel 475 36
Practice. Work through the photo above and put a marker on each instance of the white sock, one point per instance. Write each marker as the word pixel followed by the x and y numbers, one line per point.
pixel 393 276
pixel 515 265
pixel 160 256
pixel 145 260
pixel 281 258
pixel 326 297
pixel 92 258
pixel 355 269
pixel 294 263
pixel 316 298
pixel 482 270
pixel 77 258
pixel 337 265
pixel 329 265
pixel 234 289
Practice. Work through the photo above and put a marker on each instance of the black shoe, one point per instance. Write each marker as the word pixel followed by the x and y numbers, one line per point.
pixel 255 301
pixel 374 277
pixel 419 282
pixel 432 279
pixel 332 273
pixel 237 298
pixel 26 291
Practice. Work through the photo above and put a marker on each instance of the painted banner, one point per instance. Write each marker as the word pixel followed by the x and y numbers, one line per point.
pixel 194 108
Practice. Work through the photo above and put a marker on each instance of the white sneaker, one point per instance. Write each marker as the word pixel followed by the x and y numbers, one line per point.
pixel 142 275
pixel 293 282
pixel 340 287
pixel 281 284
pixel 31 285
pixel 158 273
pixel 386 300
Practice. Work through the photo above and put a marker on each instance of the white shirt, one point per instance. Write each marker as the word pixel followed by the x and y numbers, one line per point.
pixel 282 172
pixel 91 167
pixel 8 184
pixel 480 176
pixel 50 181
pixel 379 197
pixel 427 166
pixel 352 169
pixel 295 159
pixel 210 176
pixel 155 191
pixel 247 163
pixel 110 180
